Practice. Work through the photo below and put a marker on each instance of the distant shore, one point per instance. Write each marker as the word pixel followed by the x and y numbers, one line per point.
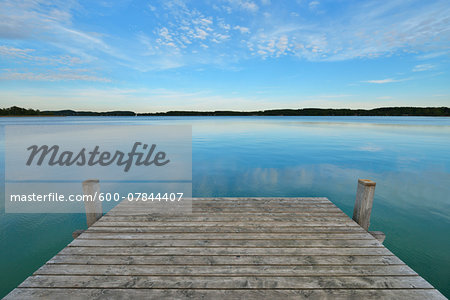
pixel 15 111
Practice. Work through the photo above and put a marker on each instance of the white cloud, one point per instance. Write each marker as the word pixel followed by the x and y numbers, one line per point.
pixel 251 6
pixel 139 100
pixel 63 75
pixel 181 28
pixel 189 28
pixel 50 22
pixel 245 5
pixel 45 68
pixel 16 52
pixel 387 80
pixel 331 96
pixel 432 55
pixel 282 45
pixel 313 4
pixel 423 67
pixel 224 25
pixel 220 38
pixel 381 81
pixel 206 21
pixel 242 29
pixel 200 34
pixel 363 30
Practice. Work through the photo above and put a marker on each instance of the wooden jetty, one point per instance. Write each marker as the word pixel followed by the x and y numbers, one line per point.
pixel 228 248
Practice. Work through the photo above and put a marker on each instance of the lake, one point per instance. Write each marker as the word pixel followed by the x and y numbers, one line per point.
pixel 408 158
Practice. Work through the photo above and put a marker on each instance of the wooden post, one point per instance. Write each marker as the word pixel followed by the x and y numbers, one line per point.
pixel 364 202
pixel 93 208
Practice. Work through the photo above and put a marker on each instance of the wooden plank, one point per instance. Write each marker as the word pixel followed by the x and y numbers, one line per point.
pixel 225 282
pixel 248 204
pixel 263 199
pixel 225 236
pixel 255 208
pixel 143 211
pixel 226 260
pixel 235 270
pixel 219 204
pixel 332 294
pixel 226 243
pixel 281 210
pixel 222 251
pixel 236 202
pixel 239 248
pixel 212 207
pixel 256 205
pixel 279 224
pixel 226 218
pixel 228 229
pixel 238 210
pixel 237 214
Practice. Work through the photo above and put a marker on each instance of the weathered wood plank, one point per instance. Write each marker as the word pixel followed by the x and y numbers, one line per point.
pixel 234 202
pixel 314 294
pixel 320 206
pixel 232 205
pixel 306 212
pixel 238 210
pixel 224 236
pixel 264 199
pixel 313 270
pixel 241 201
pixel 244 214
pixel 253 208
pixel 226 243
pixel 226 260
pixel 239 248
pixel 227 218
pixel 280 224
pixel 265 209
pixel 222 251
pixel 228 229
pixel 268 200
pixel 217 202
pixel 254 205
pixel 225 282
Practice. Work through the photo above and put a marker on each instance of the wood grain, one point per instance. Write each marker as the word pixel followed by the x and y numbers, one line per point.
pixel 226 248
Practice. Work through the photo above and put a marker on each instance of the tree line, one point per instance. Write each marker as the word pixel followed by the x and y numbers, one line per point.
pixel 383 111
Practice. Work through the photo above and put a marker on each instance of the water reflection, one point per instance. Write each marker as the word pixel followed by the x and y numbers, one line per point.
pixel 292 156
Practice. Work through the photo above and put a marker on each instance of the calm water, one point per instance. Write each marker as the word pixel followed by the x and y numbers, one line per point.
pixel 408 157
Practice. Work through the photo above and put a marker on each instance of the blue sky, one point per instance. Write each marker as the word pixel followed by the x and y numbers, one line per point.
pixel 154 55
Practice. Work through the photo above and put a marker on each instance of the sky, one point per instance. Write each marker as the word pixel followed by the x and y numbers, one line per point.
pixel 150 56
